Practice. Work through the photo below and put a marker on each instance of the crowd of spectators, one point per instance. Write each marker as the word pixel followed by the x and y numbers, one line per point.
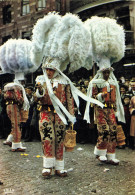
pixel 86 133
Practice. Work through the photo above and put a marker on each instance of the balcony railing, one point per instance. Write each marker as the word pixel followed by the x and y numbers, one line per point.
pixel 74 4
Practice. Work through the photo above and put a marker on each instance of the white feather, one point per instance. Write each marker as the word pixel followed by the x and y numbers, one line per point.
pixel 3 63
pixel 108 38
pixel 42 32
pixel 10 55
pixel 17 56
pixel 69 41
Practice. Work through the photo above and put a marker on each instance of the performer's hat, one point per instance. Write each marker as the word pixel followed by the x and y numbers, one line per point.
pixel 108 41
pixel 51 63
pixel 104 64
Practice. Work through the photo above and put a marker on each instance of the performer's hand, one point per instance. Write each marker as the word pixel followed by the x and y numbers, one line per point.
pixel 39 87
pixel 70 125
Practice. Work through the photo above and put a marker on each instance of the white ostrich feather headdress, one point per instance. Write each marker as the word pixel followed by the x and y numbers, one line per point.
pixel 108 40
pixel 63 39
pixel 15 59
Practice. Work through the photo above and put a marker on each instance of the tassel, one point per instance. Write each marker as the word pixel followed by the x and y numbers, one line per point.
pixel 105 105
pixel 49 110
pixel 39 108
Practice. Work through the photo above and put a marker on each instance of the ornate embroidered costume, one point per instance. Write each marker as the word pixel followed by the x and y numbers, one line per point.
pixel 105 118
pixel 51 127
pixel 16 60
pixel 108 47
pixel 14 100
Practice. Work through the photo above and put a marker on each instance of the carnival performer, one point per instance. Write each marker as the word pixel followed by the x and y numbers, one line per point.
pixel 14 58
pixel 51 127
pixel 104 85
pixel 63 39
pixel 13 94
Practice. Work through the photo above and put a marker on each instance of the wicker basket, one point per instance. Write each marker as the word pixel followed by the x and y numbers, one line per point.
pixel 70 140
pixel 120 136
pixel 24 115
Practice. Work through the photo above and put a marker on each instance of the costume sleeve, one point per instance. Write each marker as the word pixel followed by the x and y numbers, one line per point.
pixel 70 100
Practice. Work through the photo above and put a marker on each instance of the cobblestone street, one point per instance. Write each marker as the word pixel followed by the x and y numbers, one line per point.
pixel 21 173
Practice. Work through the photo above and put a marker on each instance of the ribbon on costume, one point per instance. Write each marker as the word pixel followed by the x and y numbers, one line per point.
pixel 75 92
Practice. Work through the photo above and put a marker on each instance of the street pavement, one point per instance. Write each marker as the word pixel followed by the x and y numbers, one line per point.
pixel 21 173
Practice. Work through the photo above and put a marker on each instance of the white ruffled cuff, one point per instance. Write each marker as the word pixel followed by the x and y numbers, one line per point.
pixel 17 145
pixel 59 165
pixel 38 94
pixel 48 162
pixel 10 138
pixel 112 157
pixel 99 97
pixel 99 152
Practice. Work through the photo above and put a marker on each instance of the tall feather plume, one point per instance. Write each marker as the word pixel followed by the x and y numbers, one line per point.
pixel 10 55
pixel 3 62
pixel 71 43
pixel 16 58
pixel 79 45
pixel 42 32
pixel 108 38
pixel 64 38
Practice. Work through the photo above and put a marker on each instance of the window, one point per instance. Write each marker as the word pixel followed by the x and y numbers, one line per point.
pixel 25 7
pixel 26 35
pixel 123 17
pixel 41 4
pixel 58 5
pixel 7 14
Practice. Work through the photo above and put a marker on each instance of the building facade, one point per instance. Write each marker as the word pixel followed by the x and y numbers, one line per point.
pixel 18 17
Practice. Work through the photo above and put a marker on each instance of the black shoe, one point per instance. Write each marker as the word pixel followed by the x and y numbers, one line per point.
pixel 28 140
pixel 121 147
